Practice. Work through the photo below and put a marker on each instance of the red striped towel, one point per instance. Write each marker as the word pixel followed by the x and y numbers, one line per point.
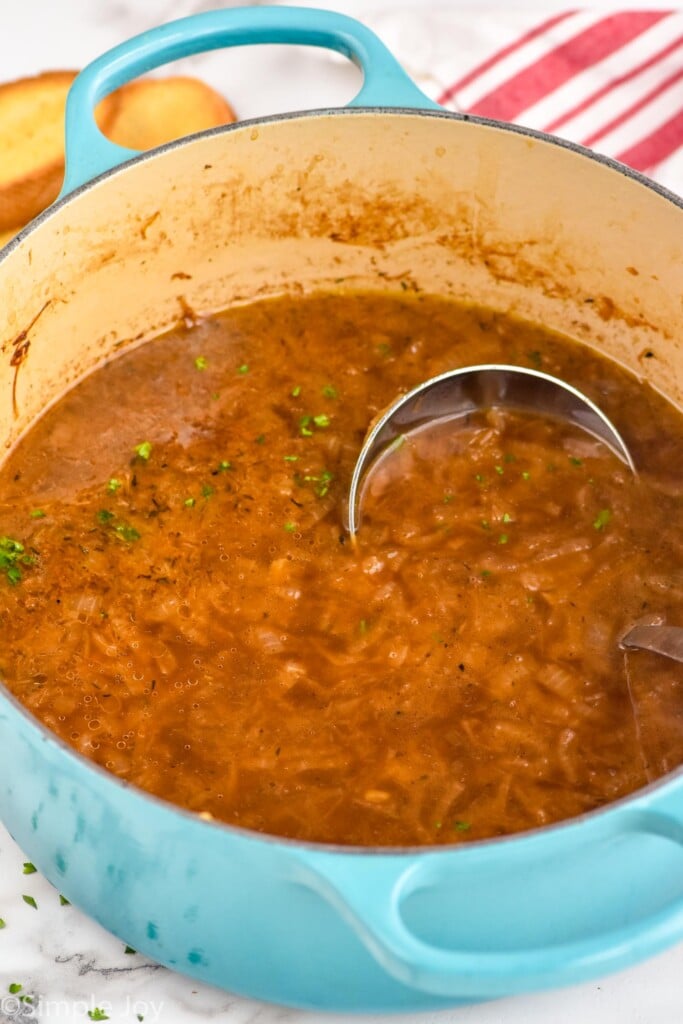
pixel 610 80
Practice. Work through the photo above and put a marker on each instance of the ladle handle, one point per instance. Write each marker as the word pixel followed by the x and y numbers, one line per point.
pixel 89 153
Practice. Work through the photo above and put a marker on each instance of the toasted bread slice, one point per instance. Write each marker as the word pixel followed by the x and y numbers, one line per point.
pixel 141 115
pixel 32 143
pixel 152 111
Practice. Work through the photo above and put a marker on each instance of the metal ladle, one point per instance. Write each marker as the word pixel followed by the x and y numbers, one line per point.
pixel 457 393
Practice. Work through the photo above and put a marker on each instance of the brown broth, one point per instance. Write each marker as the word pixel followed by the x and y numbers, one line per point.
pixel 198 623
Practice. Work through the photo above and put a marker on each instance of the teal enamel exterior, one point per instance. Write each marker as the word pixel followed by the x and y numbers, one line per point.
pixel 303 924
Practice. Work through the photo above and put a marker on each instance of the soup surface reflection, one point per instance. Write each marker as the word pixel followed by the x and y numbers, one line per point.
pixel 179 600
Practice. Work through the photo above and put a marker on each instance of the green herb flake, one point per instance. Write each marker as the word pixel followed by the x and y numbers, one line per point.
pixel 224 465
pixel 574 461
pixel 526 475
pixel 105 516
pixel 322 482
pixel 304 428
pixel 261 439
pixel 330 392
pixel 438 824
pixel 37 513
pixel 509 457
pixel 14 988
pixel 499 470
pixel 143 450
pixel 485 573
pixel 480 478
pixel 291 458
pixel 12 556
pixel 535 358
pixel 295 392
pixel 126 532
pixel 448 498
pixel 140 1017
pixel 322 420
pixel 507 518
pixel 97 1014
pixel 114 485
pixel 201 363
pixel 30 901
pixel 363 627
pixel 244 368
pixel 207 490
pixel 63 901
pixel 129 950
pixel 384 349
pixel 290 527
pixel 602 519
pixel 503 539
pixel 29 869
pixel 462 826
pixel 485 524
pixel 189 503
pixel 3 923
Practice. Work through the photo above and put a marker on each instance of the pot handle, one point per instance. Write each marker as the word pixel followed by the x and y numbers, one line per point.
pixel 89 153
pixel 504 943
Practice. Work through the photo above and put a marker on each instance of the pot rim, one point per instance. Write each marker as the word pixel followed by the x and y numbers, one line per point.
pixel 529 836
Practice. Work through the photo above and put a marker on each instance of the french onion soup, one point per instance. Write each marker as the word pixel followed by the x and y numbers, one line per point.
pixel 180 601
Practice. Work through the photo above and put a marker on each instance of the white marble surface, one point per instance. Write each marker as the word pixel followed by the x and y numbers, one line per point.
pixel 68 963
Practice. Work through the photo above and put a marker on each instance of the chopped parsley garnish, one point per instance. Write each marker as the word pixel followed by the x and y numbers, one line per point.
pixel 295 392
pixel 291 458
pixel 12 557
pixel 485 524
pixel 189 503
pixel 224 466
pixel 307 422
pixel 602 519
pixel 200 363
pixel 29 869
pixel 384 348
pixel 114 485
pixel 321 482
pixel 207 490
pixel 535 358
pixel 503 539
pixel 144 450
pixel 290 527
pixel 448 498
pixel 462 826
pixel 244 368
pixel 330 392
pixel 507 518
pixel 260 439
pixel 63 901
pixel 574 461
pixel 3 923
pixel 97 1014
pixel 499 470
pixel 485 573
pixel 14 988
pixel 479 478
pixel 510 457
pixel 526 475
pixel 37 513
pixel 126 532
pixel 130 950
pixel 30 901
pixel 122 529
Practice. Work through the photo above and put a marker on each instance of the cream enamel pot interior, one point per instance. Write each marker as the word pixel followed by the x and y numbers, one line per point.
pixel 370 194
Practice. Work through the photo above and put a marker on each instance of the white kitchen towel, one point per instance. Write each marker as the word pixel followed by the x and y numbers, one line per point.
pixel 611 80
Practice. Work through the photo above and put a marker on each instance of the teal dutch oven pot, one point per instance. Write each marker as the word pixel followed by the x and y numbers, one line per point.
pixel 390 188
